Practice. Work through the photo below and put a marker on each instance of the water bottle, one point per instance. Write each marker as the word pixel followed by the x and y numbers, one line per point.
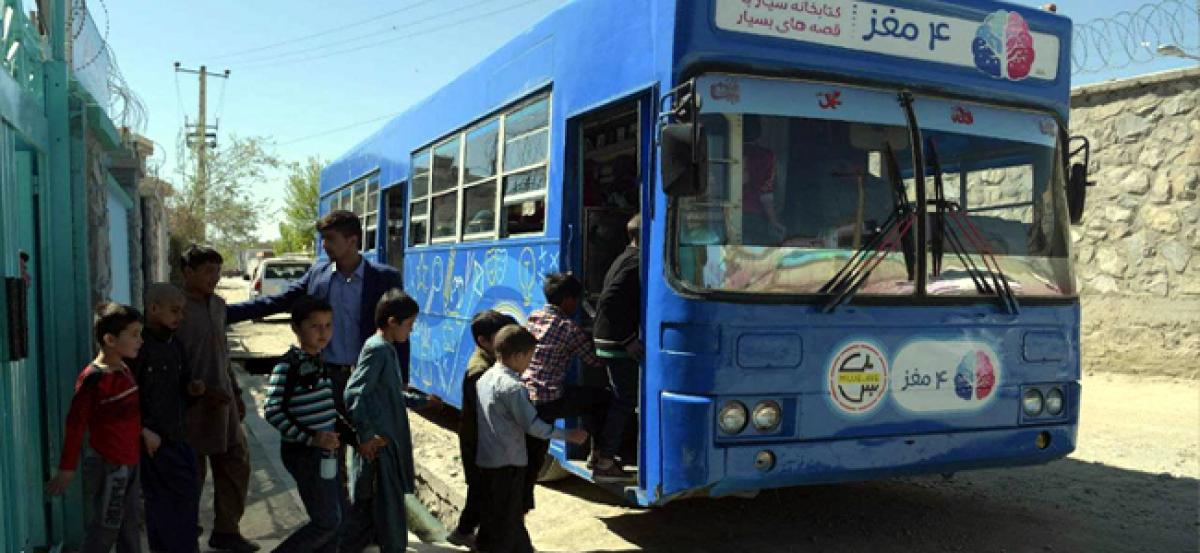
pixel 328 464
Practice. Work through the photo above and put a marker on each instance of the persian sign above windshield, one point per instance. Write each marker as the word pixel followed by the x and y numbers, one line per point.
pixel 1001 45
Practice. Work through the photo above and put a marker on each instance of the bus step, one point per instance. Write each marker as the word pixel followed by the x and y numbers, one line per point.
pixel 580 467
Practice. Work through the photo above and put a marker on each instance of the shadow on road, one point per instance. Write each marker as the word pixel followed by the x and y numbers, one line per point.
pixel 1065 506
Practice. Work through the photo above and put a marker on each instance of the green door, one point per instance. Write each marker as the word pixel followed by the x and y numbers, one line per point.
pixel 23 520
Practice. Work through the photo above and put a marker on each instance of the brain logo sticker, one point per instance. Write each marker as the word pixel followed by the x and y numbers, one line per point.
pixel 945 375
pixel 975 376
pixel 1003 46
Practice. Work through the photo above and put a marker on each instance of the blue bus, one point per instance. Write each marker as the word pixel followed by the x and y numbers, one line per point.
pixel 855 225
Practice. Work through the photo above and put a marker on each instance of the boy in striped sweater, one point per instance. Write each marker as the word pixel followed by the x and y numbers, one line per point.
pixel 300 404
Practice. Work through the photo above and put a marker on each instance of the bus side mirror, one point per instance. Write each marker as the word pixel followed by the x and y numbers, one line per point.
pixel 684 162
pixel 1077 185
pixel 1077 179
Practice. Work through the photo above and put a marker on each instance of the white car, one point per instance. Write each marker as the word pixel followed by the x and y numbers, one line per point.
pixel 273 275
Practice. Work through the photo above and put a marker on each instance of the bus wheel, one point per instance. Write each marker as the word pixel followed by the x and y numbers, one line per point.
pixel 551 471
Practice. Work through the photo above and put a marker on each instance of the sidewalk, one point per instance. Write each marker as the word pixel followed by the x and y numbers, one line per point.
pixel 273 508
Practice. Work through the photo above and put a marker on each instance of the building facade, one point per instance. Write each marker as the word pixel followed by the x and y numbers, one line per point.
pixel 73 220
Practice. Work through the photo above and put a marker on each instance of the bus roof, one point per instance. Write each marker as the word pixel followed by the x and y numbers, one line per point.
pixel 595 50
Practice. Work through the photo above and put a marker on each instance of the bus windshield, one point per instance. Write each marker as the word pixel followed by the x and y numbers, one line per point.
pixel 801 176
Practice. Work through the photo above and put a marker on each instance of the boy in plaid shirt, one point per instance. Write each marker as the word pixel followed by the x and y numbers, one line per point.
pixel 559 339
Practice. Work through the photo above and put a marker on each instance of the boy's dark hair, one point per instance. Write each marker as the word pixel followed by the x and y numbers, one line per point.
pixel 560 287
pixel 113 318
pixel 514 340
pixel 395 304
pixel 341 221
pixel 487 323
pixel 163 293
pixel 305 306
pixel 196 255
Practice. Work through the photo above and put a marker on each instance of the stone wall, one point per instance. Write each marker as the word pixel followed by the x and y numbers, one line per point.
pixel 156 262
pixel 137 278
pixel 99 249
pixel 1138 249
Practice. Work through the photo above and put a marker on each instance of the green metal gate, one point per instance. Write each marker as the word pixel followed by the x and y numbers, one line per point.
pixel 22 466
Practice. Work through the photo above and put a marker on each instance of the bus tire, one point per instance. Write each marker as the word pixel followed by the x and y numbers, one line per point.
pixel 551 471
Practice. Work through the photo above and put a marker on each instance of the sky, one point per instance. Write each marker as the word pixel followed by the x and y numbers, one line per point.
pixel 317 76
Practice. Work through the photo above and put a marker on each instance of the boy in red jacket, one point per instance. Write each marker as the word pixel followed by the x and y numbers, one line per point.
pixel 106 405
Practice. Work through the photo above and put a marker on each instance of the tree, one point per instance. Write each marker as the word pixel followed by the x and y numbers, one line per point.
pixel 298 229
pixel 221 213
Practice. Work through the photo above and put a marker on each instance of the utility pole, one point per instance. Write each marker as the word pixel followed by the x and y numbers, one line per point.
pixel 200 140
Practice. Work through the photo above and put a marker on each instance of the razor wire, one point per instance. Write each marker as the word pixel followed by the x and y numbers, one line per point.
pixel 1133 37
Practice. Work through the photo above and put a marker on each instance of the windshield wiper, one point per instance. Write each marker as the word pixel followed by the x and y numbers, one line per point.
pixel 942 231
pixel 894 234
pixel 897 233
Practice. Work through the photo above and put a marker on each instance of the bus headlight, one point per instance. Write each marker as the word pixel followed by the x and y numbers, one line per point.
pixel 1054 402
pixel 767 415
pixel 1031 402
pixel 732 418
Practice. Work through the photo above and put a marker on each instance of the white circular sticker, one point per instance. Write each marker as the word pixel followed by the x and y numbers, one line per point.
pixel 858 378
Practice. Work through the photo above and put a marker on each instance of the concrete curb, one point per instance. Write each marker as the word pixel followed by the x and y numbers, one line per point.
pixel 439 497
pixel 259 429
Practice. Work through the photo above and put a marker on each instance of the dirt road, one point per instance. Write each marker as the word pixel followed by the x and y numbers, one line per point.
pixel 1132 485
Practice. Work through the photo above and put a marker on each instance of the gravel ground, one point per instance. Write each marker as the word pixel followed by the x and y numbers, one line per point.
pixel 1132 485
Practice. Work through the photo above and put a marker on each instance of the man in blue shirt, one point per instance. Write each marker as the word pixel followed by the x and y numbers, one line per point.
pixel 348 281
pixel 351 283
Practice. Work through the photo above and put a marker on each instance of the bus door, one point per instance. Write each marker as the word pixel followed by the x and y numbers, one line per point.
pixel 607 149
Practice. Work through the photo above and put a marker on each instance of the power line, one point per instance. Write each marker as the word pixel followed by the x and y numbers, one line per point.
pixel 472 19
pixel 325 32
pixel 339 129
pixel 221 101
pixel 179 99
pixel 368 37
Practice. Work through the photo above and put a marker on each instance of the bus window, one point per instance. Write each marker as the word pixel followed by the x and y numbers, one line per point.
pixel 419 231
pixel 481 153
pixel 525 202
pixel 790 198
pixel 479 182
pixel 527 136
pixel 419 194
pixel 1012 191
pixel 369 212
pixel 479 210
pixel 444 208
pixel 526 217
pixel 444 217
pixel 360 199
pixel 526 151
pixel 395 225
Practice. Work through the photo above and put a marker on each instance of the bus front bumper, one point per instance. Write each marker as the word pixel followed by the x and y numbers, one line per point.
pixel 694 463
pixel 800 463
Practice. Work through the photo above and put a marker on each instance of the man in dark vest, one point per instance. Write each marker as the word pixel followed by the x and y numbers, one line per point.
pixel 618 341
